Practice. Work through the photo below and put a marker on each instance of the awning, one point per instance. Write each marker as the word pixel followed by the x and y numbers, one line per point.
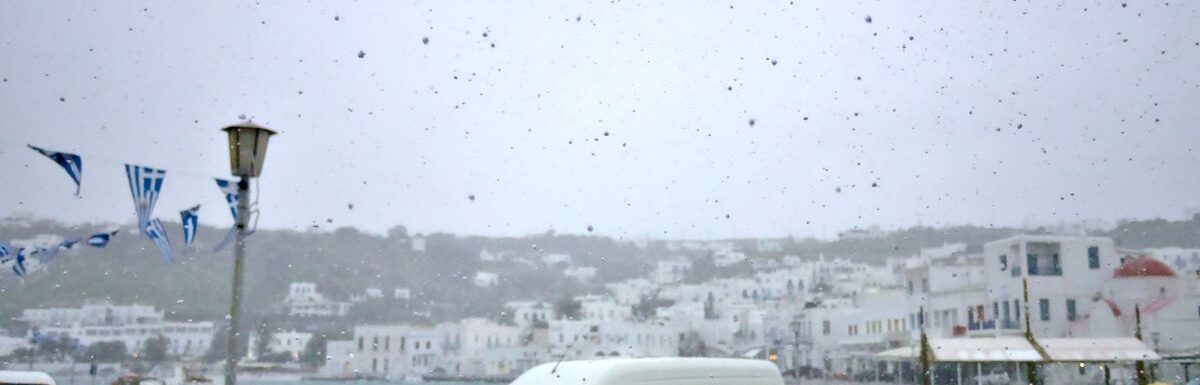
pixel 752 353
pixel 899 354
pixel 999 349
pixel 1097 349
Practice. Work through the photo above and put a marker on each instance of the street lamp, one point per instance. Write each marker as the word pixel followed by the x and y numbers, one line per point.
pixel 247 150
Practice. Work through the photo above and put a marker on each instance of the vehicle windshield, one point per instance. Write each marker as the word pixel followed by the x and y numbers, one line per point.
pixel 878 192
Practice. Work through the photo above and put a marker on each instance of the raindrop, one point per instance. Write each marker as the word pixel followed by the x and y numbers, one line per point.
pixel 868 19
pixel 361 54
pixel 471 197
pixel 425 40
pixel 62 99
pixel 751 122
pixel 578 18
pixel 589 228
pixel 337 18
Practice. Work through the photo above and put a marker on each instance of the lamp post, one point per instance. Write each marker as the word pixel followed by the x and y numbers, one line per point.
pixel 247 149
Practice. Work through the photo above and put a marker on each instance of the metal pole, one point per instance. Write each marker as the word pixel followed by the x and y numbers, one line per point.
pixel 1140 367
pixel 239 254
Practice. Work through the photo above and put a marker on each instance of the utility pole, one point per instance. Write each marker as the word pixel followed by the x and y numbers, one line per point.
pixel 1031 369
pixel 239 256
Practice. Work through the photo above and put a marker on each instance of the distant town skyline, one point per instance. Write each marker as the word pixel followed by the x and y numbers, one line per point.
pixel 626 120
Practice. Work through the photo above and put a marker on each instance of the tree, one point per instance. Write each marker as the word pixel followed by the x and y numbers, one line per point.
pixel 314 351
pixel 154 350
pixel 567 308
pixel 265 334
pixel 105 351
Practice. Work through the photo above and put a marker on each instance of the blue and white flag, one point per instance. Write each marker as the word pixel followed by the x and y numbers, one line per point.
pixel 46 254
pixel 144 185
pixel 70 243
pixel 231 195
pixel 158 234
pixel 190 220
pixel 229 188
pixel 19 266
pixel 7 252
pixel 70 162
pixel 101 239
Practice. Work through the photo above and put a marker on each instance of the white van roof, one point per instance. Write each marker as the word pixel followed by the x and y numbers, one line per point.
pixel 675 371
pixel 23 377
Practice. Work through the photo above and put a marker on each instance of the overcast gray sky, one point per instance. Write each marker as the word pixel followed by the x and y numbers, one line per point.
pixel 632 118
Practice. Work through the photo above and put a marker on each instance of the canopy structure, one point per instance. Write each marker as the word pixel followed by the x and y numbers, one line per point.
pixel 907 353
pixel 1000 349
pixel 1018 349
pixel 1097 350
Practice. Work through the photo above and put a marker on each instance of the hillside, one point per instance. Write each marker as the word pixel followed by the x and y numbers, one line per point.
pixel 347 261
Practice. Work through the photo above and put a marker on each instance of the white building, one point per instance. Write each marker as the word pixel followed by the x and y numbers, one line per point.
pixel 950 288
pixel 402 293
pixel 671 270
pixel 631 291
pixel 597 308
pixel 555 258
pixel 131 325
pixel 485 279
pixel 387 351
pixel 418 244
pixel 292 343
pixel 527 314
pixel 1169 303
pixel 581 273
pixel 582 339
pixel 303 300
pixel 1063 272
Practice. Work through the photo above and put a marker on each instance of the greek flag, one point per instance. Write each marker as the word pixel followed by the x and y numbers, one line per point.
pixel 7 252
pixel 70 243
pixel 46 254
pixel 70 162
pixel 144 184
pixel 158 234
pixel 19 266
pixel 231 196
pixel 101 239
pixel 189 218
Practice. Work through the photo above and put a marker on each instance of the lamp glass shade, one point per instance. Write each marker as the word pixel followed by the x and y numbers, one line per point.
pixel 247 148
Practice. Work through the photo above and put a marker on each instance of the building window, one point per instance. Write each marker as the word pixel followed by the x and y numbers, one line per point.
pixel 1093 257
pixel 360 343
pixel 1071 316
pixel 825 327
pixel 924 285
pixel 375 344
pixel 1016 310
pixel 1044 309
pixel 1003 262
pixel 910 287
